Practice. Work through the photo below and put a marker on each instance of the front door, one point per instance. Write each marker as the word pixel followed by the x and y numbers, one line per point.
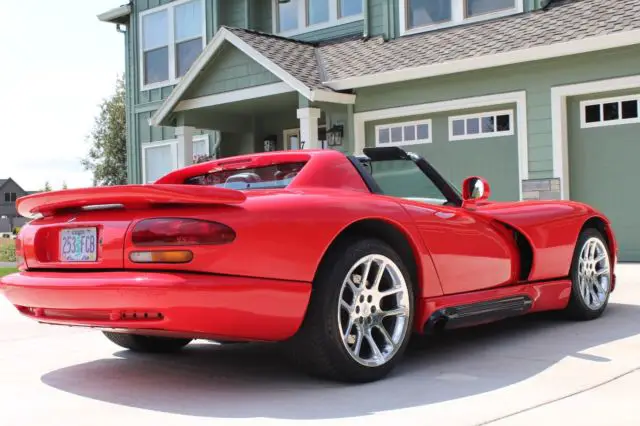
pixel 291 138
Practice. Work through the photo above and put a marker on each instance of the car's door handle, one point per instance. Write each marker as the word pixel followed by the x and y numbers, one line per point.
pixel 445 215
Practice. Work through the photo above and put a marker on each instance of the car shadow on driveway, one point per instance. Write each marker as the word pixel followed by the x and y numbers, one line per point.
pixel 255 380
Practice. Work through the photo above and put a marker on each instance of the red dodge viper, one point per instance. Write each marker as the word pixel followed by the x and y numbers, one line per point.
pixel 343 257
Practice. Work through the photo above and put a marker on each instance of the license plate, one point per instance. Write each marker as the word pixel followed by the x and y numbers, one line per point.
pixel 78 245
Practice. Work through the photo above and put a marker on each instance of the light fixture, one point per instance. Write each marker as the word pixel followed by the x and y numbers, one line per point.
pixel 335 134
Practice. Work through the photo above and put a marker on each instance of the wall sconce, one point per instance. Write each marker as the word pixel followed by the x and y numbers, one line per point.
pixel 270 143
pixel 335 135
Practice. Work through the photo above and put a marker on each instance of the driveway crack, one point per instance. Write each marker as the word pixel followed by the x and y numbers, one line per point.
pixel 552 401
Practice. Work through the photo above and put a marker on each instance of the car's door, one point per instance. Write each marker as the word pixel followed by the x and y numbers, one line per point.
pixel 468 252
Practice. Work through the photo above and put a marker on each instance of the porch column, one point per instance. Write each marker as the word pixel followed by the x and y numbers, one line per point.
pixel 309 127
pixel 184 134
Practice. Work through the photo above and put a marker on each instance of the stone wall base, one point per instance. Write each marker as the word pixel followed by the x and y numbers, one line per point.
pixel 541 189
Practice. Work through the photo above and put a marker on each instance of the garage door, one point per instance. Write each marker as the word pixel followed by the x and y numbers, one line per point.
pixel 604 155
pixel 460 144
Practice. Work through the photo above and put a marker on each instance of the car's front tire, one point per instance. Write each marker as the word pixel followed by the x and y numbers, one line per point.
pixel 590 277
pixel 360 314
pixel 147 344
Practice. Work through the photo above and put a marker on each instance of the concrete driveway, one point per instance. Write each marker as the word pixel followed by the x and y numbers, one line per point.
pixel 537 370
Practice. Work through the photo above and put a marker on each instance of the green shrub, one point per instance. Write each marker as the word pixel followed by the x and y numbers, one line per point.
pixel 7 251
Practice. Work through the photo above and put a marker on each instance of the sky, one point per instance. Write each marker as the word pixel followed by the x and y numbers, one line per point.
pixel 58 64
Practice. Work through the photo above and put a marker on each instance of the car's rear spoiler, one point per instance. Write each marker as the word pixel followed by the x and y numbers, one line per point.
pixel 127 196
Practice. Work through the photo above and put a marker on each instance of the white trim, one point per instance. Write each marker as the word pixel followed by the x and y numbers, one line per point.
pixel 334 19
pixel 234 96
pixel 333 97
pixel 481 135
pixel 559 128
pixel 208 53
pixel 457 17
pixel 589 44
pixel 402 125
pixel 171 43
pixel 519 98
pixel 114 15
pixel 178 159
pixel 606 123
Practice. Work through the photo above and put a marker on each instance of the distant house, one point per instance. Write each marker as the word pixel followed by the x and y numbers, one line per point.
pixel 10 191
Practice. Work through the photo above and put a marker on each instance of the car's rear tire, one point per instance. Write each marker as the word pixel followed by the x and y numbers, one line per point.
pixel 344 320
pixel 147 344
pixel 590 277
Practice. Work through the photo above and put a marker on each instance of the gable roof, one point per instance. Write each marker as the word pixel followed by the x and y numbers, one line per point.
pixel 3 182
pixel 296 65
pixel 319 70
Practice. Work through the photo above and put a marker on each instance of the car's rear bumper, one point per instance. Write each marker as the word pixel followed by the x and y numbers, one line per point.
pixel 194 305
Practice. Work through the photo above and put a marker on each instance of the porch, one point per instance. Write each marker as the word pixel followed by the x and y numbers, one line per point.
pixel 254 104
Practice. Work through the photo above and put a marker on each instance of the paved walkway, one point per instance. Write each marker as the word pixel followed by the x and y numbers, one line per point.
pixel 537 370
pixel 7 264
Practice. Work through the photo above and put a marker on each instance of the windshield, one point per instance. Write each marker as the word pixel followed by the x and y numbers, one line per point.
pixel 266 177
pixel 404 179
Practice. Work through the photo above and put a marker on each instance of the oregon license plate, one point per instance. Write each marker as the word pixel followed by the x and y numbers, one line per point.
pixel 79 245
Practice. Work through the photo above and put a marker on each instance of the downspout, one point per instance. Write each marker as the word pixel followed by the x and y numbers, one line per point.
pixel 366 19
pixel 215 23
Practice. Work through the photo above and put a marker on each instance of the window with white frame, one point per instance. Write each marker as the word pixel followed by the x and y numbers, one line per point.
pixel 424 15
pixel 171 38
pixel 482 125
pixel 159 158
pixel 610 111
pixel 401 134
pixel 297 16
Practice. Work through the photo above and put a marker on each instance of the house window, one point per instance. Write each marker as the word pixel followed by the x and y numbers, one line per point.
pixel 402 134
pixel 297 16
pixel 424 15
pixel 611 111
pixel 159 158
pixel 483 125
pixel 10 197
pixel 172 37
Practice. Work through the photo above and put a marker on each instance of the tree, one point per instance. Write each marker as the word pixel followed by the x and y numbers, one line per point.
pixel 47 187
pixel 107 156
pixel 64 184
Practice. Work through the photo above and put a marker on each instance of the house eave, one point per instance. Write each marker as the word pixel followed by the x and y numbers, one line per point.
pixel 573 47
pixel 118 15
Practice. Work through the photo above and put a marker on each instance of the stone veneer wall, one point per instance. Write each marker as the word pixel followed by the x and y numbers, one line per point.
pixel 541 189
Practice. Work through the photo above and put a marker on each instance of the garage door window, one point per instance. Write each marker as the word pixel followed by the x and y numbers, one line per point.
pixel 611 111
pixel 483 125
pixel 400 134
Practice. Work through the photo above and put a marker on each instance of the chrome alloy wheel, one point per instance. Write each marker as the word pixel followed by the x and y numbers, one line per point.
pixel 373 311
pixel 594 276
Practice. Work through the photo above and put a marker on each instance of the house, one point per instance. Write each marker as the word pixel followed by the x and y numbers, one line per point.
pixel 540 97
pixel 10 191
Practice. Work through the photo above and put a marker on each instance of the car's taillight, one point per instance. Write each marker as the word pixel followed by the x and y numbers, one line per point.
pixel 180 232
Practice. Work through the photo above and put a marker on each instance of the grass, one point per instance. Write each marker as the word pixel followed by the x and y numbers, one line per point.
pixel 7 271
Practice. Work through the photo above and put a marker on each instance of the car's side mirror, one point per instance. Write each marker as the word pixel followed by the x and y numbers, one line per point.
pixel 475 188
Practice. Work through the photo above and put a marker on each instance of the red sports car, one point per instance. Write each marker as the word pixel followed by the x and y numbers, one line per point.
pixel 343 257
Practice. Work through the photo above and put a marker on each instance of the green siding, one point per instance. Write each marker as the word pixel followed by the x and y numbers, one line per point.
pixel 377 15
pixel 233 13
pixel 230 70
pixel 494 158
pixel 601 162
pixel 536 78
pixel 261 19
pixel 338 31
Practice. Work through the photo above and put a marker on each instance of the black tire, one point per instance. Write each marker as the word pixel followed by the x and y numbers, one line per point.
pixel 147 344
pixel 577 309
pixel 318 347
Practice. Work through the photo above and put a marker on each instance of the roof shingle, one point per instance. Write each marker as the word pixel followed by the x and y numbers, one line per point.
pixel 564 20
